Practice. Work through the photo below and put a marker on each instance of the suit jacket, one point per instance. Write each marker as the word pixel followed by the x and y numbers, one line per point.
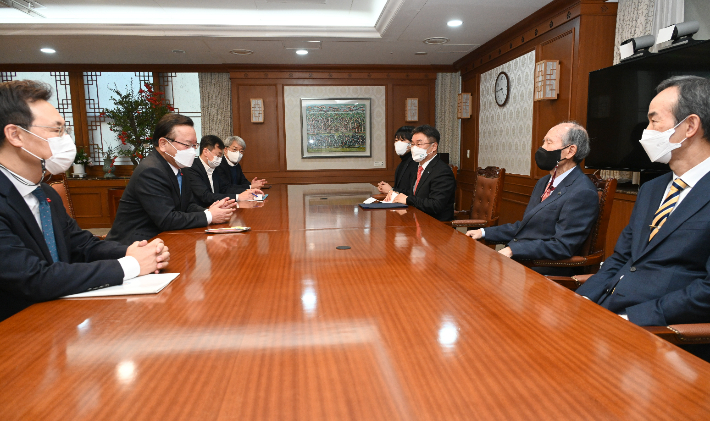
pixel 405 175
pixel 231 178
pixel 664 281
pixel 555 228
pixel 436 190
pixel 199 183
pixel 152 203
pixel 27 276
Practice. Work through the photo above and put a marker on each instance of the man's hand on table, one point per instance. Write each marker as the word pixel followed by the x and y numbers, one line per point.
pixel 151 256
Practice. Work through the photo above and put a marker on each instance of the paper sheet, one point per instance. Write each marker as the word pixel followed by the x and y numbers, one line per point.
pixel 146 284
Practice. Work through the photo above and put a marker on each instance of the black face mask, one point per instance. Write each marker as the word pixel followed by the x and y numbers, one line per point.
pixel 547 160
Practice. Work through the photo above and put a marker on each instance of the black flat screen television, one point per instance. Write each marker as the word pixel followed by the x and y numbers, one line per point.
pixel 618 104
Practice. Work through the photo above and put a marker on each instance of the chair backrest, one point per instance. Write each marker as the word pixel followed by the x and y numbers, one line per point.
pixel 114 198
pixel 59 184
pixel 596 241
pixel 486 197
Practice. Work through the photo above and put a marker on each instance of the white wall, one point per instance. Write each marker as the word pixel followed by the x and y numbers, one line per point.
pixel 699 10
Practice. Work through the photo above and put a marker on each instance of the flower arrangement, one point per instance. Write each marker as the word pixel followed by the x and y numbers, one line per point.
pixel 134 118
pixel 82 157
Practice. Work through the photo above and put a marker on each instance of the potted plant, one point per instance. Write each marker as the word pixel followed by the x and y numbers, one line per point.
pixel 134 118
pixel 80 161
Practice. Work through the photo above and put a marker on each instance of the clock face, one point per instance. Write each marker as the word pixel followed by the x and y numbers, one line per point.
pixel 502 89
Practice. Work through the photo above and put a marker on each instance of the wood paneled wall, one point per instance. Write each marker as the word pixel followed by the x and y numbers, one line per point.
pixel 578 33
pixel 266 142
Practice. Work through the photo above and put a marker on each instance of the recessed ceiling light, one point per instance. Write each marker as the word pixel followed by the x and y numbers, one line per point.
pixel 313 41
pixel 436 40
pixel 48 50
pixel 301 52
pixel 241 52
pixel 179 51
pixel 420 53
pixel 454 23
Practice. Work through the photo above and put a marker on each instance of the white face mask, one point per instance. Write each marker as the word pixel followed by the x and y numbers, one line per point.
pixel 214 163
pixel 657 144
pixel 63 153
pixel 418 154
pixel 183 158
pixel 235 157
pixel 401 147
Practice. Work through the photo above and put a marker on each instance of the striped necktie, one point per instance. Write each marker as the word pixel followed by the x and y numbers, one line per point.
pixel 667 206
pixel 45 216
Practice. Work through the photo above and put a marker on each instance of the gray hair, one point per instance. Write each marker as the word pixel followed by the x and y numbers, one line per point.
pixel 693 98
pixel 230 139
pixel 576 135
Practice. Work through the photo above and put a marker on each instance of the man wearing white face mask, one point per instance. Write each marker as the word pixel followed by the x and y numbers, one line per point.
pixel 158 198
pixel 45 255
pixel 232 179
pixel 434 185
pixel 659 273
pixel 204 182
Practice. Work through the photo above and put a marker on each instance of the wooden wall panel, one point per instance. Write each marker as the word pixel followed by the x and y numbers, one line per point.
pixel 263 148
pixel 620 216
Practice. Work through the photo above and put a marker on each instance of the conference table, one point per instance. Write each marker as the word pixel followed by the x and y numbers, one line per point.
pixel 414 321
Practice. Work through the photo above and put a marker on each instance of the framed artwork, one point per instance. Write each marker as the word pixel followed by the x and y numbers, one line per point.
pixel 547 80
pixel 257 110
pixel 412 110
pixel 336 128
pixel 463 106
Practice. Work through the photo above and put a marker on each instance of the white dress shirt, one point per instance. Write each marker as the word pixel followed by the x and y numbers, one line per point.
pixel 691 178
pixel 131 267
pixel 175 172
pixel 210 171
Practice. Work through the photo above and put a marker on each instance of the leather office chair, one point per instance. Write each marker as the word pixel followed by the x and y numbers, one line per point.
pixel 681 334
pixel 592 252
pixel 59 184
pixel 485 203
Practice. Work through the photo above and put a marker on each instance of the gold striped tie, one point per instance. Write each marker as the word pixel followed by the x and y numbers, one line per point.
pixel 667 206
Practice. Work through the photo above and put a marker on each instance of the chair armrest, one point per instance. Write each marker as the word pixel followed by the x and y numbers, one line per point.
pixel 574 261
pixel 569 282
pixel 100 237
pixel 462 212
pixel 683 334
pixel 469 223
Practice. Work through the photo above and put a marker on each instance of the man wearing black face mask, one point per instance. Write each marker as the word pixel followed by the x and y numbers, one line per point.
pixel 563 206
pixel 45 255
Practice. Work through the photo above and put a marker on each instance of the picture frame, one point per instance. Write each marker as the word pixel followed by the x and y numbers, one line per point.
pixel 411 112
pixel 336 127
pixel 257 110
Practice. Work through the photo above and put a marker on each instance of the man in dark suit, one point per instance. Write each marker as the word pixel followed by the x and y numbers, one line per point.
pixel 659 273
pixel 45 255
pixel 157 197
pixel 434 186
pixel 204 182
pixel 232 179
pixel 563 206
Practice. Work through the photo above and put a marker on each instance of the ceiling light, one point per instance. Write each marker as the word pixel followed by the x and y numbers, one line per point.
pixel 241 52
pixel 179 51
pixel 436 40
pixel 301 52
pixel 454 23
pixel 48 50
pixel 313 41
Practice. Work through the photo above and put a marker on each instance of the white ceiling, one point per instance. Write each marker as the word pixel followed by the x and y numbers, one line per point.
pixel 350 31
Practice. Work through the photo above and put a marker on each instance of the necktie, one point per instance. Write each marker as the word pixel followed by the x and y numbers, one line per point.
pixel 419 176
pixel 667 206
pixel 179 177
pixel 550 188
pixel 45 216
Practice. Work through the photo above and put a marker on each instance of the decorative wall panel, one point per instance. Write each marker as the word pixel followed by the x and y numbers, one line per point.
pixel 292 110
pixel 505 133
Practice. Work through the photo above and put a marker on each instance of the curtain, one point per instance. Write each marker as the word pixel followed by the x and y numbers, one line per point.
pixel 448 86
pixel 667 13
pixel 216 104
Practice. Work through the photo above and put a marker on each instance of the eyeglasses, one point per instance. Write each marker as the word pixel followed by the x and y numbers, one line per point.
pixel 183 144
pixel 234 149
pixel 421 144
pixel 61 130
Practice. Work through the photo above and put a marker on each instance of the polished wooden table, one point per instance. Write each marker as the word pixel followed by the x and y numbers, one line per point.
pixel 414 322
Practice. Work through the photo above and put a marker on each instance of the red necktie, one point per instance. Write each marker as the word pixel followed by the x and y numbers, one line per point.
pixel 419 175
pixel 550 188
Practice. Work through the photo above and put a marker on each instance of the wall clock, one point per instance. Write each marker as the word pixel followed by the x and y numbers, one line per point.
pixel 502 88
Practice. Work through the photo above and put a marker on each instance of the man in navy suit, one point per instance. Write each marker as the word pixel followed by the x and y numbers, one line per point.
pixel 204 181
pixel 433 185
pixel 659 272
pixel 563 206
pixel 231 177
pixel 45 255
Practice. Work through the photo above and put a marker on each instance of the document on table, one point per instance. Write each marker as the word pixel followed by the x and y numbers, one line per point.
pixel 146 284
